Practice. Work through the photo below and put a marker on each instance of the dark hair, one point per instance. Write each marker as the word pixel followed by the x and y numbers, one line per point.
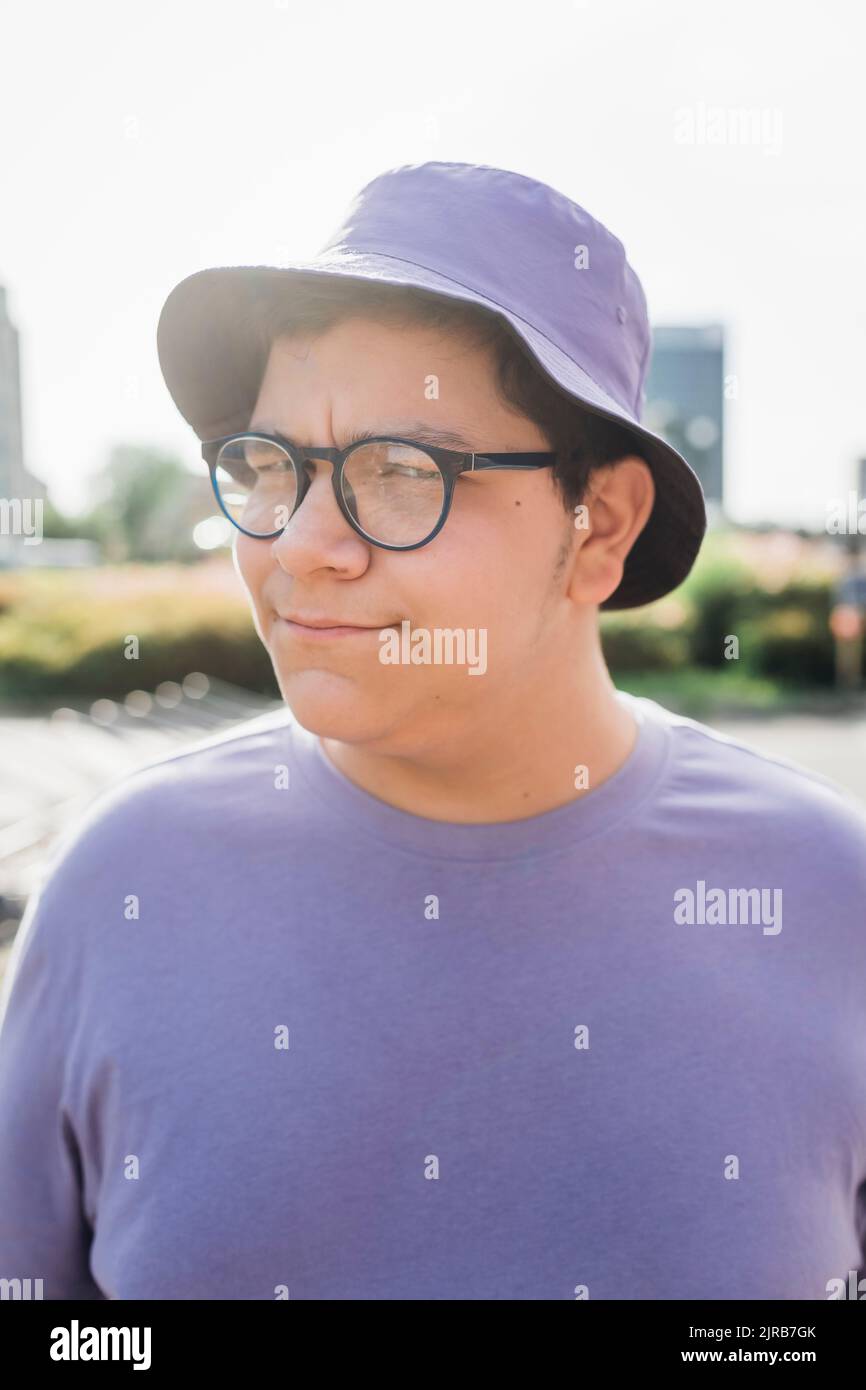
pixel 581 439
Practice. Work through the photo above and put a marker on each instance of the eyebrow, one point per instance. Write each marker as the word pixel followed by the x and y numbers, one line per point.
pixel 417 430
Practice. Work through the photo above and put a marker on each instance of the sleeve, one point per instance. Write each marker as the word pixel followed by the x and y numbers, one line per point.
pixel 44 1234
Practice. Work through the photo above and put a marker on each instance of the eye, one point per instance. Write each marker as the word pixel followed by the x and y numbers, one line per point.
pixel 260 468
pixel 405 470
pixel 265 459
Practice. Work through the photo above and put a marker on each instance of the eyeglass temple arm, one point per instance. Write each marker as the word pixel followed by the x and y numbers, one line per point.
pixel 517 461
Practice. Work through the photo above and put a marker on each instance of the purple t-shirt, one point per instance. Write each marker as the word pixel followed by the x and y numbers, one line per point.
pixel 268 1036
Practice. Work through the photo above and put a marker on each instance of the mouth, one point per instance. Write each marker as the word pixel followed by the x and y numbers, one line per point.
pixel 323 629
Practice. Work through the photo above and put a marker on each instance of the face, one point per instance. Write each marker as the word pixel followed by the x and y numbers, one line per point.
pixel 498 565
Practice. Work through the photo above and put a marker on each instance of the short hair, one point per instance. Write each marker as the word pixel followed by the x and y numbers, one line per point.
pixel 581 439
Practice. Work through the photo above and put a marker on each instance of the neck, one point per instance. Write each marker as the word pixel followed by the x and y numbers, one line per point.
pixel 520 757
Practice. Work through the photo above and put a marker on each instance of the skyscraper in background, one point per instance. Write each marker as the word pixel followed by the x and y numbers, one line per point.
pixel 15 480
pixel 685 400
pixel 11 453
pixel 20 492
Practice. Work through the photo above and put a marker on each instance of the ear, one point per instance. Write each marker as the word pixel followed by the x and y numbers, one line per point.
pixel 619 499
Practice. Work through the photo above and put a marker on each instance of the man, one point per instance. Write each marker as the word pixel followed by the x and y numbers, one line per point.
pixel 469 976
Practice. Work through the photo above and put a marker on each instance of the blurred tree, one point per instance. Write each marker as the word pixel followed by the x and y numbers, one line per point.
pixel 57 525
pixel 142 505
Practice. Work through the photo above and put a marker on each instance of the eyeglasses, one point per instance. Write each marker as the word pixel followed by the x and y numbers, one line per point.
pixel 395 493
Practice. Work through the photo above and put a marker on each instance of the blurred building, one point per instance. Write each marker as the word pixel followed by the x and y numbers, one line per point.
pixel 685 400
pixel 15 480
pixel 20 490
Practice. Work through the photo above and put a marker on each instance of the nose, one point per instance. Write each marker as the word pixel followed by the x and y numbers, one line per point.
pixel 318 536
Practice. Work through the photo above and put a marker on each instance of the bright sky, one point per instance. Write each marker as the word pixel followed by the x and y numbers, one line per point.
pixel 140 142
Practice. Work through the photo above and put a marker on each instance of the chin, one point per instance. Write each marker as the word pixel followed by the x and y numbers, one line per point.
pixel 333 706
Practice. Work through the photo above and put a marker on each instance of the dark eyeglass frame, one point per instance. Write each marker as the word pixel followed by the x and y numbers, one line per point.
pixel 450 462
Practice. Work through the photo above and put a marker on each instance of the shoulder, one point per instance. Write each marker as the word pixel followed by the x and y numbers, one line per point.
pixel 710 774
pixel 170 802
pixel 171 817
pixel 214 759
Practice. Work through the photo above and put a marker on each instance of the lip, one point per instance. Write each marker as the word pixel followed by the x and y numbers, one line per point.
pixel 300 620
pixel 326 629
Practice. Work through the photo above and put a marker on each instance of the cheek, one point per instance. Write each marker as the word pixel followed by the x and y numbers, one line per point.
pixel 490 559
pixel 442 583
pixel 252 562
pixel 505 558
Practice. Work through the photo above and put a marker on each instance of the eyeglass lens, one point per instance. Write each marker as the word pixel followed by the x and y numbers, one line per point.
pixel 394 491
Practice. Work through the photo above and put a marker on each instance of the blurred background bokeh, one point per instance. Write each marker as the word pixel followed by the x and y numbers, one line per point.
pixel 722 144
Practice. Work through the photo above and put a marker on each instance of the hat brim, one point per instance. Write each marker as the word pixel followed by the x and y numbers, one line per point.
pixel 211 359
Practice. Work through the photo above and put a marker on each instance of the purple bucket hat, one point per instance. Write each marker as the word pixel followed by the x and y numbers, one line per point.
pixel 506 242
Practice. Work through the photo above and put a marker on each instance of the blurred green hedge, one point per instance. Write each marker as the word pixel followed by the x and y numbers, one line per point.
pixel 785 635
pixel 782 628
pixel 63 632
